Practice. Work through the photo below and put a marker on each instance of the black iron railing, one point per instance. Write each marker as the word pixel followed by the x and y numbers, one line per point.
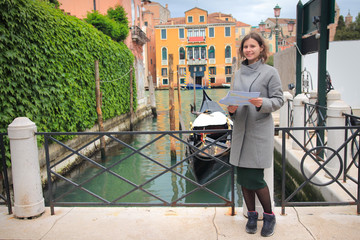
pixel 115 136
pixel 312 155
pixel 5 199
pixel 351 141
pixel 312 117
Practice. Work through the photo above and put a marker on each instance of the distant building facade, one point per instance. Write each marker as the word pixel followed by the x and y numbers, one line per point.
pixel 154 13
pixel 203 47
pixel 283 42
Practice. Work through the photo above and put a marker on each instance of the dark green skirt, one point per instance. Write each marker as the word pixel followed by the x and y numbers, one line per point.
pixel 250 178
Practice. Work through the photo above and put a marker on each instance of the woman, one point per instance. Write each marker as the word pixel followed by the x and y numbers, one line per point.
pixel 253 132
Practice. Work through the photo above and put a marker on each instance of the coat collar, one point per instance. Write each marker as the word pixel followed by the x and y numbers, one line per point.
pixel 250 73
pixel 251 67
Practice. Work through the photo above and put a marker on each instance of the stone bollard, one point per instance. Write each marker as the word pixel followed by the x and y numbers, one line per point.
pixel 284 111
pixel 335 138
pixel 299 120
pixel 28 196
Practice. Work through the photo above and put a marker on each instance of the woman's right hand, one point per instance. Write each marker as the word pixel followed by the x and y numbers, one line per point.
pixel 232 108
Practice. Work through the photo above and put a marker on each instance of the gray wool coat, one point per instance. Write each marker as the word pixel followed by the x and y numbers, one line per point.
pixel 253 130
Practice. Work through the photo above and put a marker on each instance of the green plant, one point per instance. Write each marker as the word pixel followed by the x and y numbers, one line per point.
pixel 47 68
pixel 115 24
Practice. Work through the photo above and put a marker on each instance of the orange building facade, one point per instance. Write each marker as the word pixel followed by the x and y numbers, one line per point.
pixel 203 47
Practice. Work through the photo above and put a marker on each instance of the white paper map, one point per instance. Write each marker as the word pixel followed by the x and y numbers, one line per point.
pixel 238 98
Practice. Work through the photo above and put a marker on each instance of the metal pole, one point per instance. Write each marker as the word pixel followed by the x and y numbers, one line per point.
pixel 283 160
pixel 324 39
pixel 194 91
pixel 299 23
pixel 276 34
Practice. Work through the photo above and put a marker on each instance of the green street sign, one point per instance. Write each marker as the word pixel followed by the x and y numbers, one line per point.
pixel 312 12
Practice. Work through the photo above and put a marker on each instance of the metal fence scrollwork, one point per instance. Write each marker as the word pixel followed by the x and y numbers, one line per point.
pixel 325 166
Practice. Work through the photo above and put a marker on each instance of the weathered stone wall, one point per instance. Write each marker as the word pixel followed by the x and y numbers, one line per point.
pixel 285 63
pixel 58 152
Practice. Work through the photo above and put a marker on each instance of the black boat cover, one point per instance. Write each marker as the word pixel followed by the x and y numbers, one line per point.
pixel 210 106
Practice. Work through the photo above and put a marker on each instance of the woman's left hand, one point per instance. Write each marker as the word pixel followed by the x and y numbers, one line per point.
pixel 257 102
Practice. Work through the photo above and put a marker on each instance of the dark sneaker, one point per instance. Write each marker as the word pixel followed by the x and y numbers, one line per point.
pixel 269 225
pixel 251 225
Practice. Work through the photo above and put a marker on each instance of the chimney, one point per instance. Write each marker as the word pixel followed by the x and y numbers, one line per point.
pixel 166 6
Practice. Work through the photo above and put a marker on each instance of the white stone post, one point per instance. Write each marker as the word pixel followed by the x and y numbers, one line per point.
pixel 335 138
pixel 298 121
pixel 28 196
pixel 284 111
pixel 313 98
pixel 332 96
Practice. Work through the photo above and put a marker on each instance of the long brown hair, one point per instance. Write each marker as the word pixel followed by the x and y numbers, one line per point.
pixel 257 37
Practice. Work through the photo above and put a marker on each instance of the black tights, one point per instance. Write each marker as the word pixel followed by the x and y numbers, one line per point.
pixel 264 197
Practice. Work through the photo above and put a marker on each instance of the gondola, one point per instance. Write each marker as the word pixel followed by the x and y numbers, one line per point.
pixel 211 116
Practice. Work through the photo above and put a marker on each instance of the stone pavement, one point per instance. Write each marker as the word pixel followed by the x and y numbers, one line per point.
pixel 180 223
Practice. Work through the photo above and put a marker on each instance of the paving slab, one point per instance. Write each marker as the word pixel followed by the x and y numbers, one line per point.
pixel 180 223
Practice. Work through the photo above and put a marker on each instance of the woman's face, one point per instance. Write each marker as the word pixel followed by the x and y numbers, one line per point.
pixel 252 50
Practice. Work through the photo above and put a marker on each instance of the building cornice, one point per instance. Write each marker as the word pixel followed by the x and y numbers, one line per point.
pixel 196 26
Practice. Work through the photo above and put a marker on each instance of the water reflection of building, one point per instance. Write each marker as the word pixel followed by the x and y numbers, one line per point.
pixel 202 46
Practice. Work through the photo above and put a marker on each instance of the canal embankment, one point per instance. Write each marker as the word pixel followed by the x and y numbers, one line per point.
pixel 58 152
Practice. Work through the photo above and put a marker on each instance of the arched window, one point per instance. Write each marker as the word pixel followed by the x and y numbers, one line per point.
pixel 228 52
pixel 211 52
pixel 164 54
pixel 182 53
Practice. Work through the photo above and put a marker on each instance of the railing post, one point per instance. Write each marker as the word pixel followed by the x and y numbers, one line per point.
pixel 313 98
pixel 28 196
pixel 335 138
pixel 299 112
pixel 284 111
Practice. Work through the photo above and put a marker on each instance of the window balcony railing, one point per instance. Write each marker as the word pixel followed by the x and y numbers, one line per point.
pixel 138 35
pixel 198 39
pixel 196 61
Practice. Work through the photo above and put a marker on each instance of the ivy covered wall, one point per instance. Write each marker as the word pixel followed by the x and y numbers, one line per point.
pixel 47 68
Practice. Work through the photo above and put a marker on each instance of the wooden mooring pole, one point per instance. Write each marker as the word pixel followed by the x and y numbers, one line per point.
pixel 172 108
pixel 152 95
pixel 131 99
pixel 181 121
pixel 98 95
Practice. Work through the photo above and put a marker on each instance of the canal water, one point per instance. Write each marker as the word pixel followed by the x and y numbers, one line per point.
pixel 137 169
